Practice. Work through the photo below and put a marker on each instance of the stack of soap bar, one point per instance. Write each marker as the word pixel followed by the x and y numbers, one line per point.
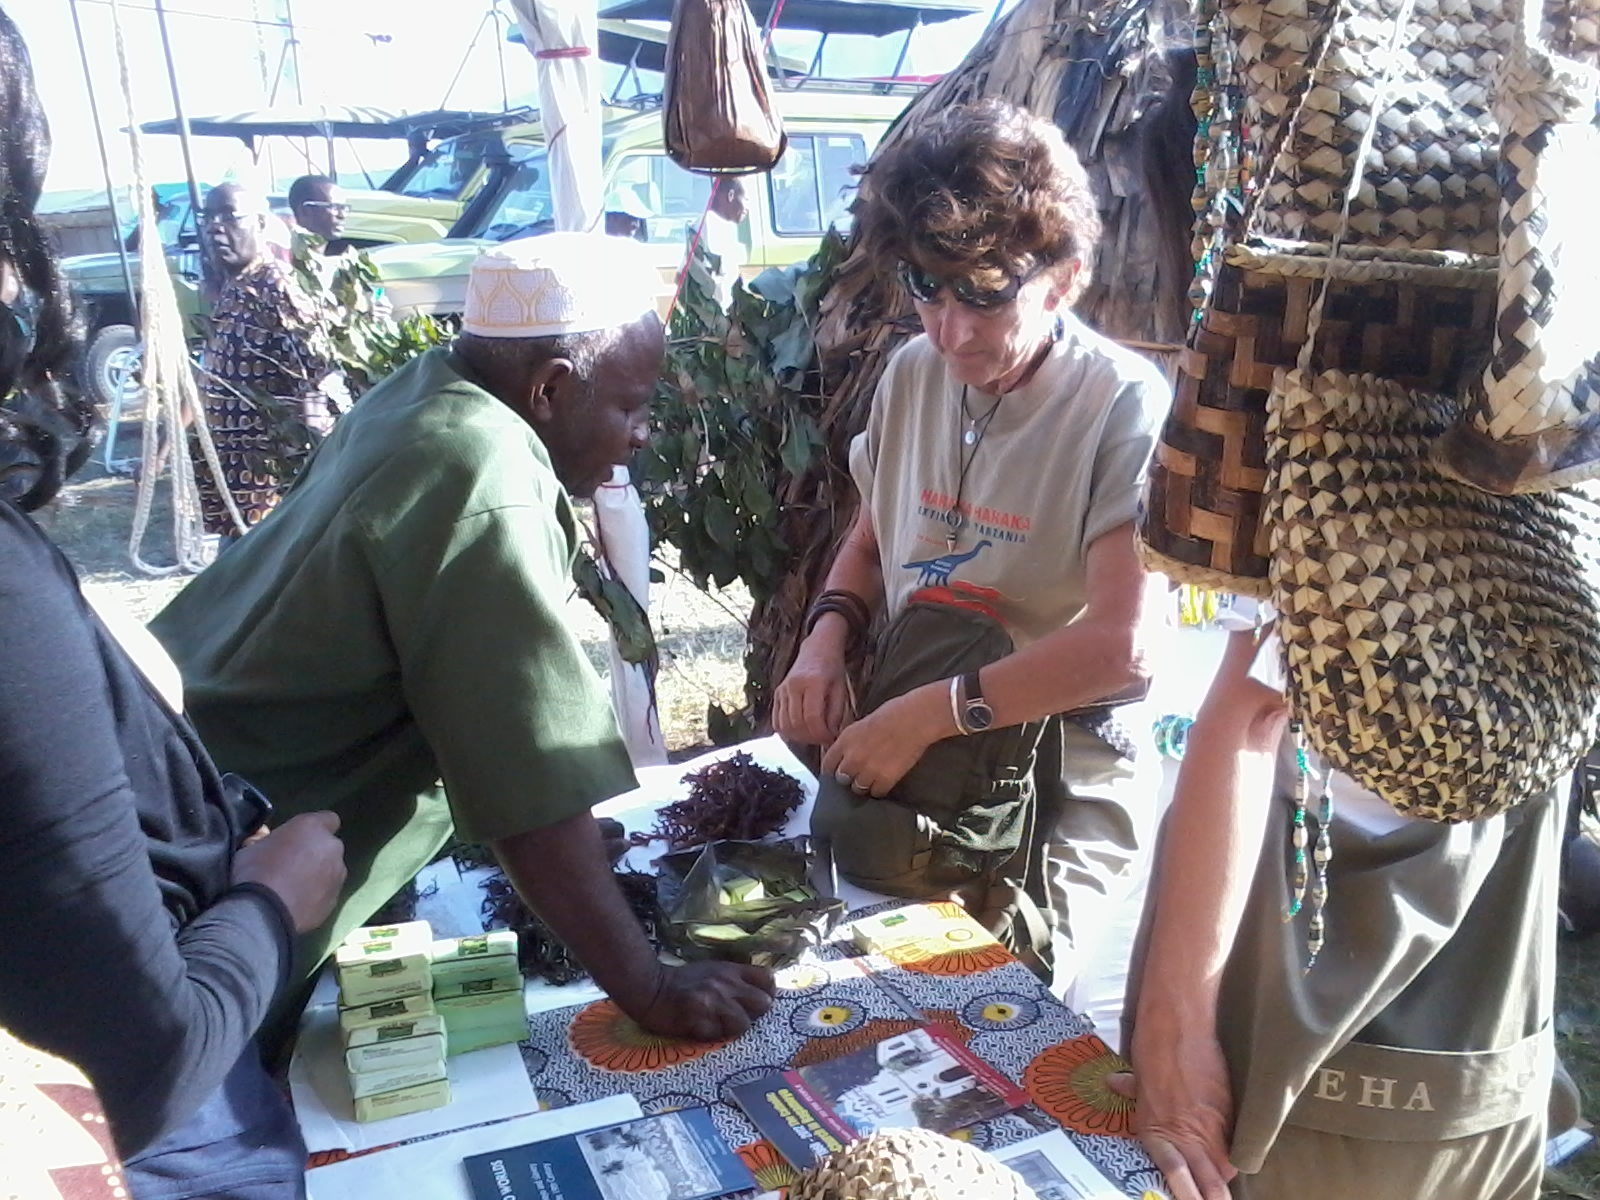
pixel 384 962
pixel 394 1042
pixel 477 989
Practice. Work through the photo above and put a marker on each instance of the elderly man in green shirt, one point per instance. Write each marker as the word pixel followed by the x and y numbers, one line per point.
pixel 390 644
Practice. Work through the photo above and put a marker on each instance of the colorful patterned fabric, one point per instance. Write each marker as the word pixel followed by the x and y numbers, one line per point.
pixel 259 345
pixel 826 1009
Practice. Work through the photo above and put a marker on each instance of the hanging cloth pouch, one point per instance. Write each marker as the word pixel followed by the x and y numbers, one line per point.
pixel 716 107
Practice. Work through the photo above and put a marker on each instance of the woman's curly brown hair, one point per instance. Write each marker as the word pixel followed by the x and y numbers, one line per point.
pixel 987 190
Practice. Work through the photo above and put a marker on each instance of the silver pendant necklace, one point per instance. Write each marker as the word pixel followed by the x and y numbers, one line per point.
pixel 954 518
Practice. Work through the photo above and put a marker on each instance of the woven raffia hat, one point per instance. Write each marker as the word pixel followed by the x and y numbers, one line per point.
pixel 909 1164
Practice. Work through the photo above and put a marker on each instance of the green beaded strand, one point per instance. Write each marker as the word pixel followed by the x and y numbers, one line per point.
pixel 1302 871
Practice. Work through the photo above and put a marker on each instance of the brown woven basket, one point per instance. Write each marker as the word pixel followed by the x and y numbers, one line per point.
pixel 1423 318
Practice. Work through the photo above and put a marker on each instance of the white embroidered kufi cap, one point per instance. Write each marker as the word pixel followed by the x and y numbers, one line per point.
pixel 559 283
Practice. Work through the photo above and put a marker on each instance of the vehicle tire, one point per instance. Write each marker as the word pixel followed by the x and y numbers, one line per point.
pixel 113 362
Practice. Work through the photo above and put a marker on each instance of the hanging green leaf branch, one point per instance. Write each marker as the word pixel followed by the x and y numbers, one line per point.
pixel 736 416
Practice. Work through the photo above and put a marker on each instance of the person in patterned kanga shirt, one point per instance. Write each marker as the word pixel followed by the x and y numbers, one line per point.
pixel 261 375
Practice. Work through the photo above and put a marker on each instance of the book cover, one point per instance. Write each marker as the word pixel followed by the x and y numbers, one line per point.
pixel 676 1156
pixel 920 1079
pixel 1056 1170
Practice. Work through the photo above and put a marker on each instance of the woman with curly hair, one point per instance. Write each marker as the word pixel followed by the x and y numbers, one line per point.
pixel 145 920
pixel 1000 471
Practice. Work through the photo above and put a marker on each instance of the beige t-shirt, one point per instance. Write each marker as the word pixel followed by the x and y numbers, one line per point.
pixel 1062 462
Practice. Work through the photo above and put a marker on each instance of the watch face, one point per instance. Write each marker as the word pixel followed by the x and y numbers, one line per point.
pixel 979 716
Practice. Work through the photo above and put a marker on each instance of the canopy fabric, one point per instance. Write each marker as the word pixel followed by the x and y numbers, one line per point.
pixel 563 38
pixel 630 43
pixel 873 17
pixel 340 121
pixel 307 120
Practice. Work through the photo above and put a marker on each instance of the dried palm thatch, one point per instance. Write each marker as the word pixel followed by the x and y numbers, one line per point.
pixel 1116 78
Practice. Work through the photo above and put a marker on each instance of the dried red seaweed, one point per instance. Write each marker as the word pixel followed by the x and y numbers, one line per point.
pixel 733 799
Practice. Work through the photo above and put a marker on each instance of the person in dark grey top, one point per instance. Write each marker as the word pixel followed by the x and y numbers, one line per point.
pixel 145 926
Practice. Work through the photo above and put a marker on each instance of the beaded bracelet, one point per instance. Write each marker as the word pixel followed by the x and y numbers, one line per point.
pixel 847 605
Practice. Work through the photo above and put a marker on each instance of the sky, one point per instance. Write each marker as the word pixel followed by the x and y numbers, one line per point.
pixel 399 55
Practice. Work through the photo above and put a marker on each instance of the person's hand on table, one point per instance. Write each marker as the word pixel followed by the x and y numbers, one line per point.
pixel 706 1001
pixel 1184 1114
pixel 813 702
pixel 301 862
pixel 873 754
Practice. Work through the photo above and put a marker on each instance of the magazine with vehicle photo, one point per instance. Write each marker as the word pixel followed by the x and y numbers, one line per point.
pixel 920 1079
pixel 676 1156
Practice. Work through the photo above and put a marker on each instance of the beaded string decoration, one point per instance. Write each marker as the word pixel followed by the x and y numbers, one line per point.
pixel 1220 147
pixel 1320 857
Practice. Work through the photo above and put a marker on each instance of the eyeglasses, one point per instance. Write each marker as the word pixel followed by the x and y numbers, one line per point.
pixel 336 209
pixel 223 218
pixel 925 287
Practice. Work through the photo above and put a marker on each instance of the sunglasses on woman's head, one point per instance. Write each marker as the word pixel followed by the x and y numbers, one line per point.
pixel 925 287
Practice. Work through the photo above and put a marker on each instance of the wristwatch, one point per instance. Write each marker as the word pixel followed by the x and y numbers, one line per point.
pixel 976 714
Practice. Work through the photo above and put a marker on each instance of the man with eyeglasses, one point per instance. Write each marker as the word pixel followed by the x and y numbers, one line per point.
pixel 320 208
pixel 262 373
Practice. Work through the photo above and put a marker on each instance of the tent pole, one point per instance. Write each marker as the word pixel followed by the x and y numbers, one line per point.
pixel 105 170
pixel 294 42
pixel 177 108
pixel 500 56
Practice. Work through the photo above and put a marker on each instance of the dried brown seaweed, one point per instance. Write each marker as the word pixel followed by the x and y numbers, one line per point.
pixel 540 953
pixel 733 799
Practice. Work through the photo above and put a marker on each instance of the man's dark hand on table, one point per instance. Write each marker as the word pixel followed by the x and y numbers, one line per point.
pixel 563 873
pixel 706 1001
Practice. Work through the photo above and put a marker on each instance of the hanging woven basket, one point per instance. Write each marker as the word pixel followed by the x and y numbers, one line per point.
pixel 1420 317
pixel 1442 643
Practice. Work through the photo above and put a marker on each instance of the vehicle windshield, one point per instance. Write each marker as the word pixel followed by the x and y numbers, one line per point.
pixel 446 170
pixel 525 207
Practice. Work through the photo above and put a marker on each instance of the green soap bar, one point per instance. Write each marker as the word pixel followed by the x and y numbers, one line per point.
pixel 476 970
pixel 407 1052
pixel 380 942
pixel 370 1083
pixel 394 1031
pixel 356 990
pixel 404 1101
pixel 486 1036
pixel 483 1005
pixel 495 943
pixel 460 989
pixel 386 1012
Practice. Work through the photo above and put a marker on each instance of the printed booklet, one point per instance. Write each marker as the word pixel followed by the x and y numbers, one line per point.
pixel 676 1156
pixel 924 1078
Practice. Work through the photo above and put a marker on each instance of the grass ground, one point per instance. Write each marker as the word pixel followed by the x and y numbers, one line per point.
pixel 702 643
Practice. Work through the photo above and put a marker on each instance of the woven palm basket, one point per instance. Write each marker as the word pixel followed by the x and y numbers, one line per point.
pixel 1442 643
pixel 1421 317
pixel 909 1164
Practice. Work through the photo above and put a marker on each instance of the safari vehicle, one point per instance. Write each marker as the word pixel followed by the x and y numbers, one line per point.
pixel 830 131
pixel 833 125
pixel 420 201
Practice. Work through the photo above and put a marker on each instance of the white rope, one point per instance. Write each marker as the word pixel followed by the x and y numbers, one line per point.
pixel 169 383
